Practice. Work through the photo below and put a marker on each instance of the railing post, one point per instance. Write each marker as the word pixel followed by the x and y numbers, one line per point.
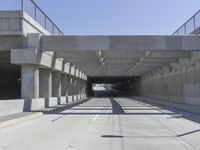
pixel 22 4
pixel 185 29
pixel 45 22
pixel 194 22
pixel 35 12
pixel 52 28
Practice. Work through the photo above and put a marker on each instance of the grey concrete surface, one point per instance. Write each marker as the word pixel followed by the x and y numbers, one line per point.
pixel 106 123
pixel 56 84
pixel 14 106
pixel 45 82
pixel 118 43
pixel 29 81
pixel 18 118
pixel 195 109
pixel 19 22
pixel 179 82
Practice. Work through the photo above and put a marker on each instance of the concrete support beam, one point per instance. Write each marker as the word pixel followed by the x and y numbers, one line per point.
pixel 153 64
pixel 160 60
pixel 170 54
pixel 66 68
pixel 73 71
pixel 57 64
pixel 29 81
pixel 45 83
pixel 119 43
pixel 32 56
pixel 33 40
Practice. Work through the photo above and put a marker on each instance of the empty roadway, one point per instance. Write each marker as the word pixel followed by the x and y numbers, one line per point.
pixel 106 123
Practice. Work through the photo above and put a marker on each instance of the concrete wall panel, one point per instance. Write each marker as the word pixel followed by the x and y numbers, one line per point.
pixel 180 85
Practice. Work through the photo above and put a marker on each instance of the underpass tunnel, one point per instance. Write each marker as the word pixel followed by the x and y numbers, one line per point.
pixel 69 66
pixel 113 86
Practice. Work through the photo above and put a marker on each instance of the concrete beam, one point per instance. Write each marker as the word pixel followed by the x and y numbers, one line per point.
pixel 57 64
pixel 119 43
pixel 73 71
pixel 170 54
pixel 152 64
pixel 34 56
pixel 8 42
pixel 66 68
pixel 160 60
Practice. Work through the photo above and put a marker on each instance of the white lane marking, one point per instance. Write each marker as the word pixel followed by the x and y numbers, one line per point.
pixel 95 118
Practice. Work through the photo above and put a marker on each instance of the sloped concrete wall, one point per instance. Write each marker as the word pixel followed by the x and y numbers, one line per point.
pixel 180 84
pixel 9 107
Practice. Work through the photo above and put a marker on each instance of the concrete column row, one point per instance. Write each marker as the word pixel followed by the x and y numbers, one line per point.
pixel 43 75
pixel 44 83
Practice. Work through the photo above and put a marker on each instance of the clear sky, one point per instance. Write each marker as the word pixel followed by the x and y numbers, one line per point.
pixel 118 17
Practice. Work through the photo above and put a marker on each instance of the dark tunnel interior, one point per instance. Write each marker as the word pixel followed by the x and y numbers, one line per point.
pixel 10 84
pixel 113 86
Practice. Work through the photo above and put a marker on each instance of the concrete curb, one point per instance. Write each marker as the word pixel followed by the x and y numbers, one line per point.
pixel 14 121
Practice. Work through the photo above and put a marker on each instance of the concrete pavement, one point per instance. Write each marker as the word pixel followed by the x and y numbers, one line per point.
pixel 105 123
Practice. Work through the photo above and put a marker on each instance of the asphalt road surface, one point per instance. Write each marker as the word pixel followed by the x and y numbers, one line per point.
pixel 106 123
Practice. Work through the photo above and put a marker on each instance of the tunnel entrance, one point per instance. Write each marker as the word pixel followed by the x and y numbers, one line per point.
pixel 113 86
pixel 100 87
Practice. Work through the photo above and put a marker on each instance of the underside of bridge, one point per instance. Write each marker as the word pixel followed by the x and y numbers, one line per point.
pixel 36 64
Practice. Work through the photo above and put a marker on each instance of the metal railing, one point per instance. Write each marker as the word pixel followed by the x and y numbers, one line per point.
pixel 31 8
pixel 191 25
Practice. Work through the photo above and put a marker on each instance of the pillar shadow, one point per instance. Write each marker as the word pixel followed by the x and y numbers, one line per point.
pixel 27 105
pixel 182 113
pixel 46 103
pixel 58 101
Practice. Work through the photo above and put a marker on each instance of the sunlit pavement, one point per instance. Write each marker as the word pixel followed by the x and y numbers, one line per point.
pixel 105 123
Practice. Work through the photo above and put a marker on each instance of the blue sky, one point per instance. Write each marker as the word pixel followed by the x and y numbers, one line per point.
pixel 118 17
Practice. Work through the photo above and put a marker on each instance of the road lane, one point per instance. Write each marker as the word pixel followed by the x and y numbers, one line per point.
pixel 107 123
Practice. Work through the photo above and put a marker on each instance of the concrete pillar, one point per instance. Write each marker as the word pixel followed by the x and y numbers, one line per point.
pixel 78 89
pixel 81 89
pixel 85 88
pixel 56 84
pixel 70 88
pixel 75 89
pixel 29 81
pixel 64 84
pixel 45 83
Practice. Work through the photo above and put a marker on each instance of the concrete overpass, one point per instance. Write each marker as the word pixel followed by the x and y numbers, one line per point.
pixel 152 99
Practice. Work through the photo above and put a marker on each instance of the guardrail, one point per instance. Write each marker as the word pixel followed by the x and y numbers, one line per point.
pixel 31 8
pixel 192 24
